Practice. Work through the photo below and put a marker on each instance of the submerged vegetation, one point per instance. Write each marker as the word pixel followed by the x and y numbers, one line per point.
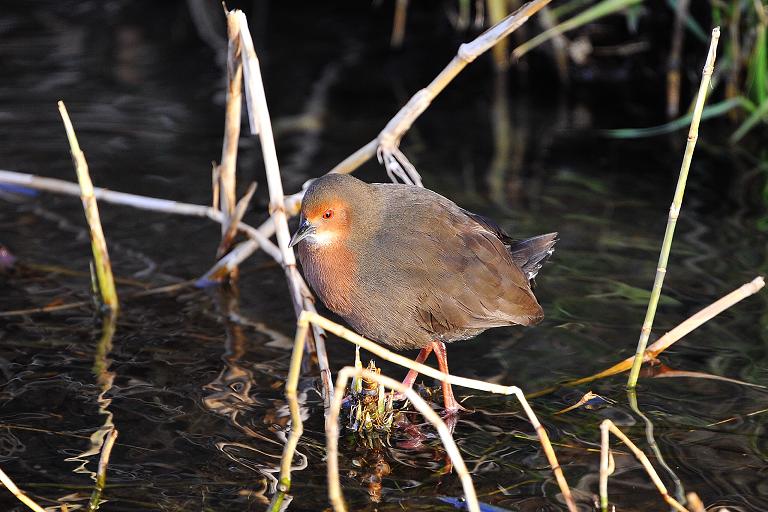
pixel 366 395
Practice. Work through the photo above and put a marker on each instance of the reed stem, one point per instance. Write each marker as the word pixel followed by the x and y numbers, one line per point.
pixel 332 435
pixel 389 138
pixel 604 472
pixel 260 235
pixel 666 341
pixel 260 123
pixel 29 502
pixel 306 318
pixel 232 120
pixel 608 425
pixel 674 210
pixel 98 242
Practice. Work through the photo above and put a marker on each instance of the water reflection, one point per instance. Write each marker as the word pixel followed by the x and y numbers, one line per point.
pixel 232 395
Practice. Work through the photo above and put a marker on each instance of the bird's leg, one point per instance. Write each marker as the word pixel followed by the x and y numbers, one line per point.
pixel 412 374
pixel 452 406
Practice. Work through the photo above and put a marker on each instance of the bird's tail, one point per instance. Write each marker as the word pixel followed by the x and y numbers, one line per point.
pixel 530 254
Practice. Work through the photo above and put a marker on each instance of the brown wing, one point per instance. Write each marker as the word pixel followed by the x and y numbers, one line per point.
pixel 457 275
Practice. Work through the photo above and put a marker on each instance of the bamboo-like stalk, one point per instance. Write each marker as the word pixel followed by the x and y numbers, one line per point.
pixel 604 456
pixel 232 120
pixel 258 114
pixel 98 242
pixel 674 210
pixel 260 235
pixel 389 138
pixel 608 425
pixel 29 502
pixel 332 435
pixel 306 318
pixel 663 343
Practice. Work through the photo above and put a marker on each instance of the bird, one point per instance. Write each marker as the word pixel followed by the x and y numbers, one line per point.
pixel 409 268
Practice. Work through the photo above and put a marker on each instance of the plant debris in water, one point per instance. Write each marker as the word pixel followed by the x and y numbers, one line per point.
pixel 371 409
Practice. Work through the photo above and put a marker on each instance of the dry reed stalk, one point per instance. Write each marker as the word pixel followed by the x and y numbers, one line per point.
pixel 332 435
pixel 604 466
pixel 258 114
pixel 261 235
pixel 663 343
pixel 233 219
pixel 674 210
pixel 388 140
pixel 98 242
pixel 695 502
pixel 8 483
pixel 605 427
pixel 243 250
pixel 398 125
pixel 306 318
pixel 232 120
pixel 673 63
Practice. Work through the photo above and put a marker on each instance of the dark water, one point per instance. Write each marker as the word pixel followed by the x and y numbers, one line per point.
pixel 193 378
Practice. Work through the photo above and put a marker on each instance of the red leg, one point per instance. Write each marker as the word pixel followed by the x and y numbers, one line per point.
pixel 452 406
pixel 412 374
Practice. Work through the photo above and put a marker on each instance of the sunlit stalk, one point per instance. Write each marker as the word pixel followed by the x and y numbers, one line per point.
pixel 332 435
pixel 308 317
pixel 608 426
pixel 98 242
pixel 604 454
pixel 389 138
pixel 666 341
pixel 232 119
pixel 29 502
pixel 260 123
pixel 297 426
pixel 674 210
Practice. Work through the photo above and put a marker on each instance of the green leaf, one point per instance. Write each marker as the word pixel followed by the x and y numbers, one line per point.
pixel 711 111
pixel 599 10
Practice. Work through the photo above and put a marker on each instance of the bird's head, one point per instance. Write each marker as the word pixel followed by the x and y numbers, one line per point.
pixel 331 209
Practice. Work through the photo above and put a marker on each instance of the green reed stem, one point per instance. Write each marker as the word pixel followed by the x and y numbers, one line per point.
pixel 674 210
pixel 98 242
pixel 297 426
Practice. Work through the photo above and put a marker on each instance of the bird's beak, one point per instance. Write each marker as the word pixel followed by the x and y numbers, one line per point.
pixel 305 229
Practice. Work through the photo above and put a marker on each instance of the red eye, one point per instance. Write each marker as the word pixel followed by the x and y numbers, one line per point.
pixel 328 214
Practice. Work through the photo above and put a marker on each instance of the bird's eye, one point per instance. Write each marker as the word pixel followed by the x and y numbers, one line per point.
pixel 328 214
